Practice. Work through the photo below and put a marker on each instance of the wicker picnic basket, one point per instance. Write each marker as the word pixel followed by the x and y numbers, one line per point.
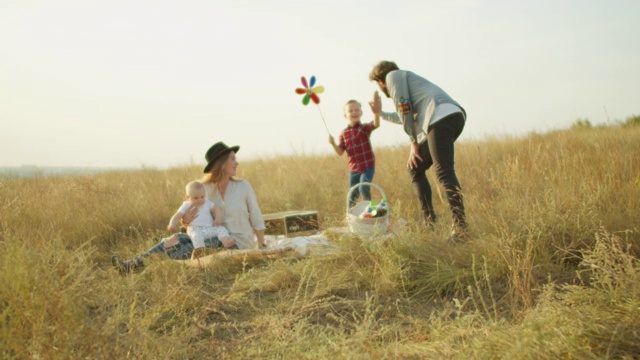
pixel 366 227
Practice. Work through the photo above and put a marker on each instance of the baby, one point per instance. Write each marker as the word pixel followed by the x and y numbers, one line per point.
pixel 208 222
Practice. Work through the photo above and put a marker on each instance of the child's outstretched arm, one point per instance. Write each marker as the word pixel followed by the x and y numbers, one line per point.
pixel 217 215
pixel 336 148
pixel 175 219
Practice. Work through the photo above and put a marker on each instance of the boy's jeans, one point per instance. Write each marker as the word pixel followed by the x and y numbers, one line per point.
pixel 357 178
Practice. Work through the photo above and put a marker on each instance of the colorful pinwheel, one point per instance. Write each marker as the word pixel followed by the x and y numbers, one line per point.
pixel 309 91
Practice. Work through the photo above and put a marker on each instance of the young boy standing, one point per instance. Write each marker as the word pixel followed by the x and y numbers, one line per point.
pixel 354 140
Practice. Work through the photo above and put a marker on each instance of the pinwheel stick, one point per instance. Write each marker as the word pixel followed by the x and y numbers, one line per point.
pixel 325 123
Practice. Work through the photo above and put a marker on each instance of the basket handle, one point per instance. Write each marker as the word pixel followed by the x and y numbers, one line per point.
pixel 384 196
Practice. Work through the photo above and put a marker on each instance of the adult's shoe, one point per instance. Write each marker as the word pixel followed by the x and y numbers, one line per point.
pixel 126 267
pixel 459 235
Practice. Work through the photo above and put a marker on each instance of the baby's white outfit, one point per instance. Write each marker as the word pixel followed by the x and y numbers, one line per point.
pixel 202 227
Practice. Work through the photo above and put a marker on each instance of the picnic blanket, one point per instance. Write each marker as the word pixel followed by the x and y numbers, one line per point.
pixel 280 247
pixel 277 247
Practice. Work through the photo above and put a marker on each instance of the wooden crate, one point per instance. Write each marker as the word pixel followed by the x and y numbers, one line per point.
pixel 291 223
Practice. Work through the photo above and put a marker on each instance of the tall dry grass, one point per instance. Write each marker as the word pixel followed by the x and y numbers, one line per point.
pixel 550 271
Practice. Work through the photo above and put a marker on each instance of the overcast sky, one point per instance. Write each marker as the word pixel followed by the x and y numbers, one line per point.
pixel 152 83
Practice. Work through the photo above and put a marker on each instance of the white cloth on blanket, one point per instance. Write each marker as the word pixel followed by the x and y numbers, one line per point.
pixel 316 244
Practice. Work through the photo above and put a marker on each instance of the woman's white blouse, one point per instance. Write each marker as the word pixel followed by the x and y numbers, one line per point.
pixel 242 216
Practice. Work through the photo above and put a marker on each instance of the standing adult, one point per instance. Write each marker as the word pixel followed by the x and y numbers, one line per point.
pixel 433 121
pixel 237 202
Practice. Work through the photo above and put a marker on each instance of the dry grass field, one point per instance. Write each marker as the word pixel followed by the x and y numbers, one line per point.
pixel 551 269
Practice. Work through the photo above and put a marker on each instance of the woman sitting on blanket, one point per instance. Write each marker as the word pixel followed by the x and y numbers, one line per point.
pixel 237 202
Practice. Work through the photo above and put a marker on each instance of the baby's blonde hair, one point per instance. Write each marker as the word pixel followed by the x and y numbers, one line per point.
pixel 193 186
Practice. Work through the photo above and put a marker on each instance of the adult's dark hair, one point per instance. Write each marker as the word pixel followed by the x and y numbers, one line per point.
pixel 381 70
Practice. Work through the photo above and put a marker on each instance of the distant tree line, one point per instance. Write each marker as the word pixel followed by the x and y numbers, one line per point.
pixel 633 120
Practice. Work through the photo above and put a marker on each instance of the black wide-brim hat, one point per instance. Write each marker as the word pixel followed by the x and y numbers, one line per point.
pixel 215 151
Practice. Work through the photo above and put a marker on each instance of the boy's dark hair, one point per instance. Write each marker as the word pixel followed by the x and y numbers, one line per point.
pixel 381 70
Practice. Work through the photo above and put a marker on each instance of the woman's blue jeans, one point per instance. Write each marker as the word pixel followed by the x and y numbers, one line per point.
pixel 355 178
pixel 183 249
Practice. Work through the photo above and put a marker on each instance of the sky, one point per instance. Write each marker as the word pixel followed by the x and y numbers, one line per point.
pixel 155 83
